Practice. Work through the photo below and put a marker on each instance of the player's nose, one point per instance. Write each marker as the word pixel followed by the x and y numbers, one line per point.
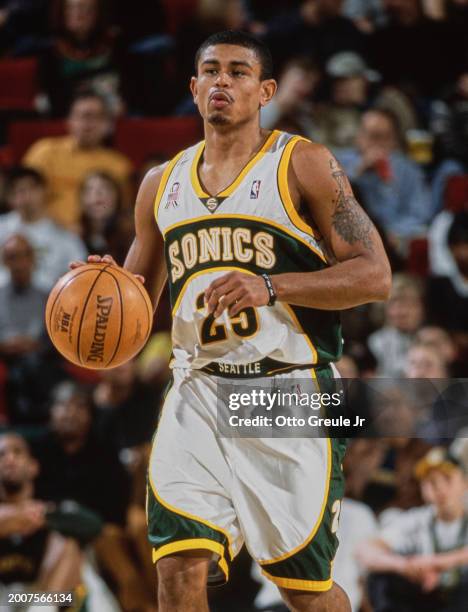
pixel 223 79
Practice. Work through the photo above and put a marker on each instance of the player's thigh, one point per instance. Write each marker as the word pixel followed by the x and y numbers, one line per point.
pixel 189 480
pixel 287 493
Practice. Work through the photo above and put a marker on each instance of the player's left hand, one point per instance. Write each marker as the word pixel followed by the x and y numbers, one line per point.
pixel 235 291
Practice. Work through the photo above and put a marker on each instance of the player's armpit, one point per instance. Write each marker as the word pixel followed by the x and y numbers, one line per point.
pixel 146 254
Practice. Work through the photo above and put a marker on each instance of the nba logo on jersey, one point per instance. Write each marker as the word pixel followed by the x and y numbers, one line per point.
pixel 255 190
pixel 173 195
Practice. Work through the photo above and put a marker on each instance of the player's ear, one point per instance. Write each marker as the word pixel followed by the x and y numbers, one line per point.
pixel 267 91
pixel 193 88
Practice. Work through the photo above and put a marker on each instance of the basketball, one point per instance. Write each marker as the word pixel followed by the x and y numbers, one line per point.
pixel 99 316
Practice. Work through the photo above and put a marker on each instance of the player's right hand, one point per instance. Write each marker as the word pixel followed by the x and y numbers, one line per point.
pixel 93 259
pixel 108 259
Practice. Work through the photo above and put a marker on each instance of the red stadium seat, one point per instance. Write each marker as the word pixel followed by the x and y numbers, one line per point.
pixel 19 78
pixel 22 134
pixel 178 12
pixel 141 139
pixel 456 193
pixel 418 257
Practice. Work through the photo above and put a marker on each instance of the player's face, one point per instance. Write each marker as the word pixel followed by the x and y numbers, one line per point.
pixel 228 89
pixel 16 463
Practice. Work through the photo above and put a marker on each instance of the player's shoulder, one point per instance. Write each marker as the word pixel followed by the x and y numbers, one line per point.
pixel 310 158
pixel 154 175
pixel 307 150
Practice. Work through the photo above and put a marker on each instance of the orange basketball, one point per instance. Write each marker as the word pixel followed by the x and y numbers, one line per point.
pixel 99 316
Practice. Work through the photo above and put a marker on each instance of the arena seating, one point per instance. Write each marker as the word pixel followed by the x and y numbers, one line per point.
pixel 139 139
pixel 19 78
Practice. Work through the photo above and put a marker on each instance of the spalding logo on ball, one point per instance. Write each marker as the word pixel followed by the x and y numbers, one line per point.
pixel 99 316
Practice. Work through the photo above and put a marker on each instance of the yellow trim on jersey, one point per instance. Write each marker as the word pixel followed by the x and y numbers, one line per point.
pixel 300 585
pixel 316 526
pixel 299 326
pixel 163 182
pixel 286 230
pixel 193 544
pixel 206 271
pixel 283 187
pixel 201 193
pixel 175 510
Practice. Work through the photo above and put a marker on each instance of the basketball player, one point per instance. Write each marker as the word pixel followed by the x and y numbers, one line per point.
pixel 264 243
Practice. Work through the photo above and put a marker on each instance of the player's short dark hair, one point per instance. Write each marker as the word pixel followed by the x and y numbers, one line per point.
pixel 21 172
pixel 458 232
pixel 240 39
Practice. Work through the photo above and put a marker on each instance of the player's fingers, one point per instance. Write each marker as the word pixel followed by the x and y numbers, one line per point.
pixel 140 278
pixel 109 259
pixel 215 285
pixel 239 305
pixel 214 298
pixel 76 264
pixel 94 259
pixel 226 301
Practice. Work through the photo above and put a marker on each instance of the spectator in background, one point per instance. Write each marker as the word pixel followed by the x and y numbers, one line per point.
pixel 21 303
pixel 441 339
pixel 126 415
pixel 77 465
pixel 407 50
pixel 404 315
pixel 23 341
pixel 105 226
pixel 292 106
pixel 366 14
pixel 83 53
pixel 32 555
pixel 392 186
pixel 357 524
pixel 126 409
pixel 351 79
pixel 449 124
pixel 53 246
pixel 424 360
pixel 316 29
pixel 421 557
pixel 440 256
pixel 21 21
pixel 447 296
pixel 65 161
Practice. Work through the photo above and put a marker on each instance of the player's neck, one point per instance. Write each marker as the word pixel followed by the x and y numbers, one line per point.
pixel 240 142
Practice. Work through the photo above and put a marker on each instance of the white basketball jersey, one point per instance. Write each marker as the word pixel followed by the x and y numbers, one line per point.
pixel 252 227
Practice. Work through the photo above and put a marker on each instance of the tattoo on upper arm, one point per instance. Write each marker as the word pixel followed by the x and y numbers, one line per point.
pixel 348 219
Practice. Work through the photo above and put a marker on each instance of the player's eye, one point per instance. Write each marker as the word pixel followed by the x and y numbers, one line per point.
pixel 237 73
pixel 211 71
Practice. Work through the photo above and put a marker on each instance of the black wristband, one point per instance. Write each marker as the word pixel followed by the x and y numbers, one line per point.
pixel 271 290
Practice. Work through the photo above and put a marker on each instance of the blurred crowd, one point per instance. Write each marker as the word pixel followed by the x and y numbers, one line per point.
pixel 383 84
